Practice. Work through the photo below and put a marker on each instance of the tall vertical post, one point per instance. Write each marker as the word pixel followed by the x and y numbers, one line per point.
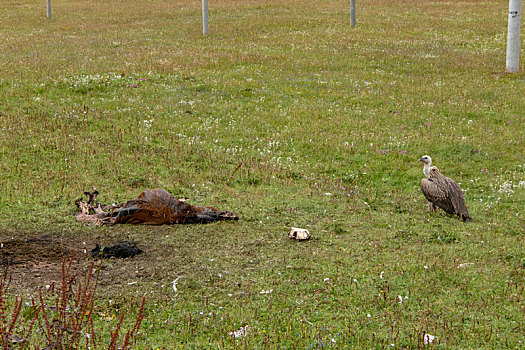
pixel 513 36
pixel 352 13
pixel 48 8
pixel 205 29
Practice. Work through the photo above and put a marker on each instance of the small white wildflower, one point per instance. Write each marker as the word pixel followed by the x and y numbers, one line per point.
pixel 428 339
pixel 240 333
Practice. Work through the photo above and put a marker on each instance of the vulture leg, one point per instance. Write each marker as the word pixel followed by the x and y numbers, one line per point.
pixel 432 207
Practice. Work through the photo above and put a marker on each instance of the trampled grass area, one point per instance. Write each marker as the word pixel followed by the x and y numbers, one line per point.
pixel 328 122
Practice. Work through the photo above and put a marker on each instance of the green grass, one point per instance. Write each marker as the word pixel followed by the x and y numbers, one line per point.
pixel 328 122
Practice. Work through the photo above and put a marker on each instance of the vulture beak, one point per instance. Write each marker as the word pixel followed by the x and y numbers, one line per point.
pixel 421 159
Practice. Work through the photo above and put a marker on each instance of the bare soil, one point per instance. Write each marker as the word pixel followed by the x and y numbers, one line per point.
pixel 34 261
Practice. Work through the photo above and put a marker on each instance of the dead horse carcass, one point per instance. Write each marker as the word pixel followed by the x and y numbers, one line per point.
pixel 152 207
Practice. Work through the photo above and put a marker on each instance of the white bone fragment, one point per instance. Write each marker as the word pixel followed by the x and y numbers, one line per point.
pixel 299 234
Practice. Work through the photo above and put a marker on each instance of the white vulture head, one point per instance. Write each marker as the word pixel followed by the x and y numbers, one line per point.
pixel 428 163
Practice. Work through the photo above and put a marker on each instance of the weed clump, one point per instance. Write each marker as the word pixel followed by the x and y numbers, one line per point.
pixel 61 317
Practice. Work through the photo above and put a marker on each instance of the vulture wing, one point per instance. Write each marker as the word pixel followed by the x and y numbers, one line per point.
pixel 436 192
pixel 445 193
pixel 458 202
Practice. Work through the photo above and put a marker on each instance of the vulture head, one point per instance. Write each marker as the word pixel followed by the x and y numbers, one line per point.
pixel 428 163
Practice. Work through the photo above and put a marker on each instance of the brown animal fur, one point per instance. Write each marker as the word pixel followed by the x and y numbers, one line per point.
pixel 153 207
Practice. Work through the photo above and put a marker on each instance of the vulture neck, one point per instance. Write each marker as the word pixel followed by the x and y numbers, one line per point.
pixel 427 168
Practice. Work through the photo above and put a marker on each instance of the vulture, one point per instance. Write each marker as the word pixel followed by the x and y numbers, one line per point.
pixel 442 192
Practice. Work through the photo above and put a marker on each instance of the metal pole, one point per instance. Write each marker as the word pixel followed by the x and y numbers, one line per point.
pixel 513 36
pixel 205 29
pixel 48 8
pixel 352 13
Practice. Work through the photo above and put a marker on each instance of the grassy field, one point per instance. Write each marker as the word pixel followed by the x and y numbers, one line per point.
pixel 328 122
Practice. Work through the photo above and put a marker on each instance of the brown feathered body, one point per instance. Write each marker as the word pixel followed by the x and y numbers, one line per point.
pixel 157 207
pixel 445 193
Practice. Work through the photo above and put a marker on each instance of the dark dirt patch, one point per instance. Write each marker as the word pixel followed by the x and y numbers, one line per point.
pixel 36 261
pixel 33 262
pixel 38 249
